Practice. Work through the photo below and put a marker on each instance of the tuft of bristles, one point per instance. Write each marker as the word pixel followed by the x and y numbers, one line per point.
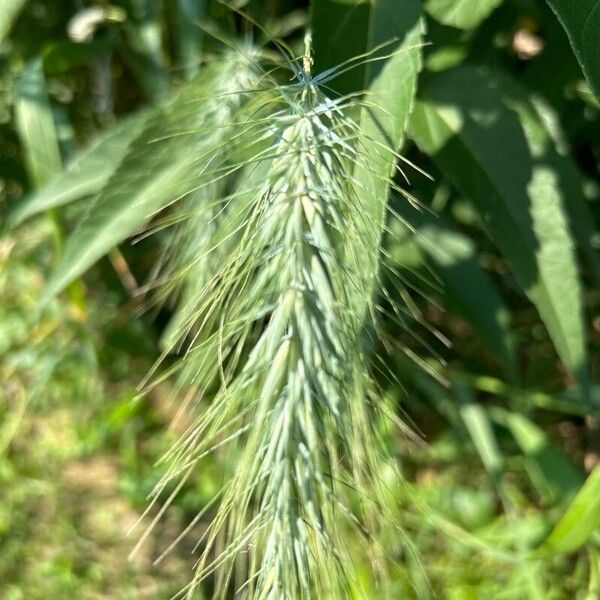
pixel 274 340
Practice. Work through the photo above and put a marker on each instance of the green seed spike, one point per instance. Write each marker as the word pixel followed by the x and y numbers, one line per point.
pixel 274 347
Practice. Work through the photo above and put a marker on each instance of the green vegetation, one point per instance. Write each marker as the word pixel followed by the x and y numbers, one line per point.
pixel 299 299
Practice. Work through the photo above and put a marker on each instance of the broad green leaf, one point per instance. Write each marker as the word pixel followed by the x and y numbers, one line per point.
pixel 568 403
pixel 390 92
pixel 87 173
pixel 446 57
pixel 579 522
pixel 466 286
pixel 553 474
pixel 35 124
pixel 9 11
pixel 464 14
pixel 581 21
pixel 461 122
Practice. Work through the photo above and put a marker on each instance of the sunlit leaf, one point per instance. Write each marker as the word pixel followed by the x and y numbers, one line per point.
pixel 161 165
pixel 35 124
pixel 548 147
pixel 151 176
pixel 87 173
pixel 390 92
pixel 479 426
pixel 479 144
pixel 8 14
pixel 464 14
pixel 579 522
pixel 390 83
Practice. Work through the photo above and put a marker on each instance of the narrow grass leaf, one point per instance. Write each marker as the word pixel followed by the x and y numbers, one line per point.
pixel 548 148
pixel 158 168
pixel 389 85
pixel 579 522
pixel 87 173
pixel 35 124
pixel 554 475
pixel 390 92
pixel 8 15
pixel 479 426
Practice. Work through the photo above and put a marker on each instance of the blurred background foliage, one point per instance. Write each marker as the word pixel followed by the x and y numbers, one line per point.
pixel 495 501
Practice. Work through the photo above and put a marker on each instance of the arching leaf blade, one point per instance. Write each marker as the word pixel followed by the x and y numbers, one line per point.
pixel 391 88
pixel 86 174
pixel 35 125
pixel 548 147
pixel 579 522
pixel 461 122
pixel 151 176
pixel 164 163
